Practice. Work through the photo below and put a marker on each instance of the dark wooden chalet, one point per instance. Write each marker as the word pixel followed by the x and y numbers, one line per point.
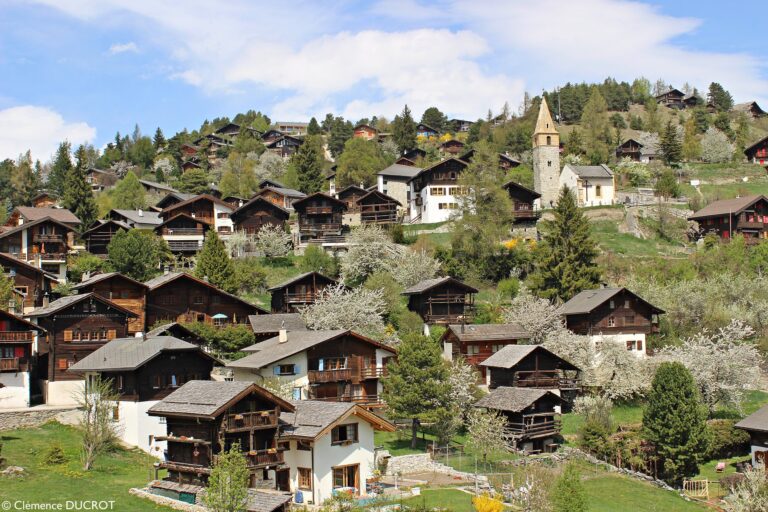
pixel 672 98
pixel 320 216
pixel 378 208
pixel 269 326
pixel 257 213
pixel 530 366
pixel 350 195
pixel 611 311
pixel 631 149
pixel 505 161
pixel 523 202
pixel 271 136
pixel 533 416
pixel 76 325
pixel 415 154
pixel 100 179
pixel 147 368
pixel 477 342
pixel 16 338
pixel 32 284
pixel 746 216
pixel 181 297
pixel 342 366
pixel 756 425
pixel 26 214
pixel 99 236
pixel 285 146
pixel 405 161
pixel 172 198
pixel 121 290
pixel 44 200
pixel 281 196
pixel 299 291
pixel 179 331
pixel 184 233
pixel 751 108
pixel 205 418
pixel 757 153
pixel 443 300
pixel 202 207
pixel 451 147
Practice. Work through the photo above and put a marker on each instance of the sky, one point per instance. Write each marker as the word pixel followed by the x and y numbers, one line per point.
pixel 82 70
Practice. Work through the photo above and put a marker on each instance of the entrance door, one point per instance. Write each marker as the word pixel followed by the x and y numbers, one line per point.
pixel 283 479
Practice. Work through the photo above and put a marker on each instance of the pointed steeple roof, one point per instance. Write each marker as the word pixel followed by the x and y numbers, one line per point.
pixel 544 123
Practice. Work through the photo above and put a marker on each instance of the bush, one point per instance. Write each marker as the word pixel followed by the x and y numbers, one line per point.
pixel 55 455
pixel 317 260
pixel 407 322
pixel 227 339
pixel 725 441
pixel 594 438
pixel 249 278
pixel 508 288
pixel 82 263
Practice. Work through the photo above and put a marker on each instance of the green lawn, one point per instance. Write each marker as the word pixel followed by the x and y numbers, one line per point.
pixel 407 228
pixel 606 233
pixel 452 499
pixel 111 478
pixel 611 493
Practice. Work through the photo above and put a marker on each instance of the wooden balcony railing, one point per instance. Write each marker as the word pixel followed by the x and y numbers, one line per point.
pixel 532 428
pixel 51 256
pixel 47 238
pixel 184 245
pixel 378 217
pixel 373 372
pixel 320 376
pixel 9 364
pixel 368 400
pixel 315 210
pixel 301 298
pixel 319 227
pixel 526 214
pixel 16 336
pixel 250 420
pixel 264 458
pixel 544 379
pixel 182 231
pixel 184 467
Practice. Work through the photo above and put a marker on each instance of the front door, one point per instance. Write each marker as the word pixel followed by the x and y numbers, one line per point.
pixel 283 478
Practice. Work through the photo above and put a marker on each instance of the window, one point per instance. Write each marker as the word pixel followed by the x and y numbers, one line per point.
pixel 626 303
pixel 549 140
pixel 611 321
pixel 472 350
pixel 345 476
pixel 198 299
pixel 630 345
pixel 119 383
pixel 613 305
pixel 549 163
pixel 304 446
pixel 437 191
pixel 167 300
pixel 639 344
pixel 629 320
pixel 446 206
pixel 285 369
pixel 344 434
pixel 598 191
pixel 163 420
pixel 222 215
pixel 116 413
pixel 305 479
pixel 218 322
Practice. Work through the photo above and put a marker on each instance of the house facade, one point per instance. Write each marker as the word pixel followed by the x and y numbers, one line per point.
pixel 257 213
pixel 474 343
pixel 746 216
pixel 394 182
pixel 378 208
pixel 298 292
pixel 443 300
pixel 184 233
pixel 631 149
pixel 592 185
pixel 320 217
pixel 18 344
pixel 434 191
pixel 281 196
pixel 32 285
pixel 364 131
pixel 204 207
pixel 672 98
pixel 756 425
pixel 757 153
pixel 123 291
pixel 98 237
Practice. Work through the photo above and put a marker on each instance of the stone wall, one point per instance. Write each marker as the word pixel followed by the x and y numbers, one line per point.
pixel 168 502
pixel 33 417
pixel 404 465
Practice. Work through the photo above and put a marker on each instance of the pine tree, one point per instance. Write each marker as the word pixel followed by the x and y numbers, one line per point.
pixel 417 384
pixel 568 494
pixel 62 164
pixel 194 181
pixel 308 165
pixel 719 98
pixel 595 124
pixel 78 196
pixel 215 265
pixel 341 132
pixel 24 183
pixel 670 146
pixel 158 141
pixel 404 130
pixel 313 128
pixel 129 194
pixel 566 264
pixel 433 118
pixel 675 422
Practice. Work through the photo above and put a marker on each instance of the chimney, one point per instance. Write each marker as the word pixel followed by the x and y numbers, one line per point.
pixel 282 336
pixel 141 212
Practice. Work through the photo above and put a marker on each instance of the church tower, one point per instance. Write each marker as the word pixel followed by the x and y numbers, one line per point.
pixel 546 157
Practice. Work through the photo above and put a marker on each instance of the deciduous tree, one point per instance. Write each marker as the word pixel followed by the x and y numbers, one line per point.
pixel 137 253
pixel 129 194
pixel 96 400
pixel 339 307
pixel 227 489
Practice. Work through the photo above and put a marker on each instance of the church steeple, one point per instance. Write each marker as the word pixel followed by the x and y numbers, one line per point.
pixel 545 133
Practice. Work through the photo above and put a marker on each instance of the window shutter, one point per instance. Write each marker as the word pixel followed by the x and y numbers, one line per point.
pixel 62 364
pixel 111 334
pixel 67 335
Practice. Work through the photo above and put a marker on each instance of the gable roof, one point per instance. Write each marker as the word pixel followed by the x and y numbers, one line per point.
pixel 757 421
pixel 272 323
pixel 199 197
pixel 70 300
pixel 158 186
pixel 727 206
pixel 173 329
pixel 677 92
pixel 105 277
pixel 180 215
pixel 15 262
pixel 272 350
pixel 321 195
pixel 748 107
pixel 10 316
pixel 428 284
pixel 441 163
pixel 29 224
pixel 259 199
pixel 164 279
pixel 208 398
pixel 140 216
pixel 62 215
pixel 314 418
pixel 513 399
pixel 513 184
pixel 487 332
pixel 400 171
pixel 630 140
pixel 102 223
pixel 511 355
pixel 753 146
pixel 270 183
pixel 301 277
pixel 348 189
pixel 288 192
pixel 125 354
pixel 178 196
pixel 380 195
pixel 266 500
pixel 591 171
pixel 586 301
pixel 425 126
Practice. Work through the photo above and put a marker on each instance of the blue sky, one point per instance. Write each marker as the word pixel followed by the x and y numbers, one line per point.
pixel 84 69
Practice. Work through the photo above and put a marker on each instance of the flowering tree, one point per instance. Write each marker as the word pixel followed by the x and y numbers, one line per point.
pixel 751 494
pixel 338 307
pixel 273 241
pixel 539 317
pixel 370 250
pixel 237 243
pixel 487 432
pixel 723 363
pixel 411 267
pixel 463 382
pixel 715 146
pixel 620 374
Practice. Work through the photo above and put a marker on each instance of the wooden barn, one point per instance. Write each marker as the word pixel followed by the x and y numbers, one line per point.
pixel 299 291
pixel 451 147
pixel 746 216
pixel 378 208
pixel 121 290
pixel 349 195
pixel 257 213
pixel 530 366
pixel 320 216
pixel 443 300
pixel 757 153
pixel 523 202
pixel 99 236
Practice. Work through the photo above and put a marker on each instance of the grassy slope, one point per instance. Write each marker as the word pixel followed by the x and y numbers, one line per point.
pixel 111 478
pixel 609 493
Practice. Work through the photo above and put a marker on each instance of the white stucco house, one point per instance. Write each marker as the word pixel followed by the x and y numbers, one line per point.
pixel 435 191
pixel 593 185
pixel 18 343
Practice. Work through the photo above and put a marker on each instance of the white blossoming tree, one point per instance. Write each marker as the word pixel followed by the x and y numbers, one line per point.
pixel 487 432
pixel 411 267
pixel 358 309
pixel 370 250
pixel 539 317
pixel 715 146
pixel 273 242
pixel 751 494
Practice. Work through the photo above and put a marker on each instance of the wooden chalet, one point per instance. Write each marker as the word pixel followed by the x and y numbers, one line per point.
pixel 205 418
pixel 32 284
pixel 477 342
pixel 76 325
pixel 751 108
pixel 451 147
pixel 183 233
pixel 378 208
pixel 285 146
pixel 530 366
pixel 405 161
pixel 426 131
pixel 350 195
pixel 172 198
pixel 188 165
pixel 746 216
pixel 672 98
pixel 757 153
pixel 257 213
pixel 189 150
pixel 98 237
pixel 271 135
pixel 299 291
pixel 181 297
pixel 281 196
pixel 320 217
pixel 17 336
pixel 26 214
pixel 269 326
pixel 205 207
pixel 443 300
pixel 121 290
pixel 44 200
pixel 100 179
pixel 506 162
pixel 631 149
pixel 330 365
pixel 44 243
pixel 364 131
pixel 460 125
pixel 291 127
pixel 533 416
pixel 139 219
pixel 523 202
pixel 154 187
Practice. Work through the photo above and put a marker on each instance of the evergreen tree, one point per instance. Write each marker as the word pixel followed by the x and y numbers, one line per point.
pixel 701 119
pixel 78 196
pixel 215 265
pixel 194 181
pixel 404 130
pixel 691 146
pixel 227 489
pixel 313 128
pixel 307 164
pixel 666 185
pixel 417 385
pixel 129 194
pixel 723 123
pixel 24 181
pixel 137 253
pixel 574 145
pixel 675 422
pixel 652 122
pixel 341 132
pixel 719 98
pixel 62 164
pixel 595 124
pixel 158 141
pixel 566 264
pixel 670 146
pixel 568 494
pixel 433 118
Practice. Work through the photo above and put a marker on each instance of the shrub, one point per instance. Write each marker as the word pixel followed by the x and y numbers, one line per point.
pixel 508 288
pixel 55 455
pixel 725 441
pixel 317 260
pixel 249 278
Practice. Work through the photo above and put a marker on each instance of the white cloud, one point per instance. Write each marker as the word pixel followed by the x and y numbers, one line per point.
pixel 123 47
pixel 40 130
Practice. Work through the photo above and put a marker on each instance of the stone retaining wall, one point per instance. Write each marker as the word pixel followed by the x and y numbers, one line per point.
pixel 168 502
pixel 404 465
pixel 28 418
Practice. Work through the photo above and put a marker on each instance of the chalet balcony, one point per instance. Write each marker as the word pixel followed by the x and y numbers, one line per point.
pixel 16 336
pixel 364 400
pixel 50 256
pixel 749 223
pixel 544 380
pixel 318 210
pixel 250 421
pixel 184 467
pixel 301 298
pixel 320 227
pixel 264 458
pixel 12 364
pixel 184 245
pixel 382 217
pixel 48 238
pixel 536 425
pixel 526 214
pixel 182 231
pixel 345 374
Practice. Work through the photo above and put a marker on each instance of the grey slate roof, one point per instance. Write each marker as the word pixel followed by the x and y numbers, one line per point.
pixel 146 217
pixel 264 324
pixel 266 500
pixel 592 171
pixel 508 356
pixel 200 397
pixel 431 283
pixel 512 399
pixel 586 301
pixel 101 277
pixel 59 214
pixel 67 301
pixel 158 186
pixel 271 350
pixel 726 206
pixel 299 278
pixel 488 332
pixel 758 420
pixel 130 353
pixel 400 171
pixel 162 279
pixel 287 191
pixel 312 417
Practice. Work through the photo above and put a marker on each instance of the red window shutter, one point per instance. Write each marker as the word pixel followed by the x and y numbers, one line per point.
pixel 18 352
